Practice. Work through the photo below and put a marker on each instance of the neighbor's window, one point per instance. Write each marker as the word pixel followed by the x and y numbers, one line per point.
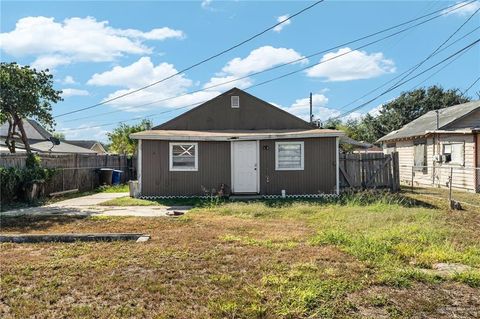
pixel 420 156
pixel 289 156
pixel 454 153
pixel 183 157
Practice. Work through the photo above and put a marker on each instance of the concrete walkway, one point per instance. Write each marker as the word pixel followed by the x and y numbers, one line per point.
pixel 89 206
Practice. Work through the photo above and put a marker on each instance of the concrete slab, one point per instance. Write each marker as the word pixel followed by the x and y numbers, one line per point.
pixel 88 206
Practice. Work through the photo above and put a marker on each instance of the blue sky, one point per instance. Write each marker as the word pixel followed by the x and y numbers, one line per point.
pixel 98 50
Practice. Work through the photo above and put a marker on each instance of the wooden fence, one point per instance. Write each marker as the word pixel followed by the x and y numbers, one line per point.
pixel 76 171
pixel 369 170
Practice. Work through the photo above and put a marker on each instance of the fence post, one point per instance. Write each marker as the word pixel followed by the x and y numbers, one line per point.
pixel 413 175
pixel 450 189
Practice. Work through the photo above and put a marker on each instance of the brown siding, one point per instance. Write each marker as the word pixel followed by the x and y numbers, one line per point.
pixel 158 180
pixel 318 176
pixel 217 114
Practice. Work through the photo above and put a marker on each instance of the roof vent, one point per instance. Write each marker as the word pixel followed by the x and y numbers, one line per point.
pixel 235 102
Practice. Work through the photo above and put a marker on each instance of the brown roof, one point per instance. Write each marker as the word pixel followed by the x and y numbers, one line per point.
pixel 226 135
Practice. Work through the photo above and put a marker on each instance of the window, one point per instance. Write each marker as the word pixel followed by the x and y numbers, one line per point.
pixel 183 157
pixel 420 156
pixel 235 102
pixel 454 153
pixel 289 156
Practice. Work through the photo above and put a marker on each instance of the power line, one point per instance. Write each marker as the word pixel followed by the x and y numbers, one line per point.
pixel 404 72
pixel 290 73
pixel 198 63
pixel 408 80
pixel 443 10
pixel 471 85
pixel 438 48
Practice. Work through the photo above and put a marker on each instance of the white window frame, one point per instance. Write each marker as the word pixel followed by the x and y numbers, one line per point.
pixel 302 154
pixel 183 169
pixel 237 98
pixel 451 145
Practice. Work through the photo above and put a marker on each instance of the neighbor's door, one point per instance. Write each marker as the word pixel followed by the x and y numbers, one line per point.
pixel 245 167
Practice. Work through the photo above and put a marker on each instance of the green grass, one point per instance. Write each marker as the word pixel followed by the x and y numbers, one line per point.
pixel 362 256
pixel 129 201
pixel 122 188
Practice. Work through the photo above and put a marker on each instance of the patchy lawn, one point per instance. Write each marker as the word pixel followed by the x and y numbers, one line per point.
pixel 268 259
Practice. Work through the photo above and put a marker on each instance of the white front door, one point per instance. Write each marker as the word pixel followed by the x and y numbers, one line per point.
pixel 245 167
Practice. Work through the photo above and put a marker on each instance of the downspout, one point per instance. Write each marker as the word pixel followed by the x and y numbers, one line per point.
pixel 337 142
pixel 139 167
pixel 476 153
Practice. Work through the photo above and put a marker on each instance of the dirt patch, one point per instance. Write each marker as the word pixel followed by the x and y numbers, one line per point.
pixel 447 300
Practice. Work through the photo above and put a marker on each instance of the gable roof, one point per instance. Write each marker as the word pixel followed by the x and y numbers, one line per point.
pixel 217 114
pixel 40 129
pixel 43 146
pixel 428 122
pixel 84 143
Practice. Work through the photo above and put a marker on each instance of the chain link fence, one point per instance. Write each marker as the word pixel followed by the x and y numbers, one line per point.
pixel 459 186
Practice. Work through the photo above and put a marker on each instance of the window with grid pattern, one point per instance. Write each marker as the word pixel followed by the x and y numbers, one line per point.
pixel 183 157
pixel 289 156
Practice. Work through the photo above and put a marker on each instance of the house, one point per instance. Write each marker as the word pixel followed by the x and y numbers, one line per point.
pixel 95 146
pixel 438 144
pixel 39 140
pixel 239 144
pixel 350 145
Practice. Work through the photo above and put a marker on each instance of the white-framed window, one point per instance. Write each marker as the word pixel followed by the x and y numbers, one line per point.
pixel 183 156
pixel 289 156
pixel 235 101
pixel 420 156
pixel 454 153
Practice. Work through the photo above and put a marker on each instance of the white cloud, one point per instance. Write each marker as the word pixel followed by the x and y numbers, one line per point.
pixel 352 65
pixel 74 92
pixel 141 73
pixel 206 3
pixel 260 59
pixel 279 27
pixel 76 40
pixel 69 80
pixel 301 107
pixel 465 10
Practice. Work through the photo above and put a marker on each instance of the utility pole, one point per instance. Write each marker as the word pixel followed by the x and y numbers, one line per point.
pixel 311 108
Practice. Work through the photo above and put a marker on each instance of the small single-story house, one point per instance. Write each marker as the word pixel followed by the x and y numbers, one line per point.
pixel 437 144
pixel 39 140
pixel 92 145
pixel 238 144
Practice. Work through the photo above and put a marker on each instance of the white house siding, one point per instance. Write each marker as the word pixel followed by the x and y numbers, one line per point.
pixel 437 174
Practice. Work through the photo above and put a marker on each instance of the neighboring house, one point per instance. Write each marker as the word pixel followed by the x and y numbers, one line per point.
pixel 95 146
pixel 354 146
pixel 436 144
pixel 239 144
pixel 38 138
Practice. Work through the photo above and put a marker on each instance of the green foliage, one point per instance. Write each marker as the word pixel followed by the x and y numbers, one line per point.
pixel 59 135
pixel 120 141
pixel 26 93
pixel 398 112
pixel 14 180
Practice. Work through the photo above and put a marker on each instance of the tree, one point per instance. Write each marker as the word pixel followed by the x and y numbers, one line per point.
pixel 120 141
pixel 25 93
pixel 59 135
pixel 398 112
